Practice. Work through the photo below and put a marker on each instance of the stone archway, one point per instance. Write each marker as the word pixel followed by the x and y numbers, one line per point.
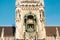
pixel 30 22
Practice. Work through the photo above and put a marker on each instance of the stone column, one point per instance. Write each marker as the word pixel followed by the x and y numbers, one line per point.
pixel 2 34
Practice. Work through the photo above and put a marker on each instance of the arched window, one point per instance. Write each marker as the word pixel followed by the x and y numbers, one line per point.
pixel 18 13
pixel 30 22
pixel 41 13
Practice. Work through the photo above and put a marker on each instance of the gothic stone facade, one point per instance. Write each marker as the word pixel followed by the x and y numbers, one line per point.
pixel 30 23
pixel 30 20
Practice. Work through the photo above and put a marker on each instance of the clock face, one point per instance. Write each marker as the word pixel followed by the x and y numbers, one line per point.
pixel 30 23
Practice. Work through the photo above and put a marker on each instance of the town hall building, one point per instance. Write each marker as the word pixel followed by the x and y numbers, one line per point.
pixel 30 23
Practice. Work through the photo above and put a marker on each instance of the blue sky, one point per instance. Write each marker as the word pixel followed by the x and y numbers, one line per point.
pixel 52 12
pixel 7 12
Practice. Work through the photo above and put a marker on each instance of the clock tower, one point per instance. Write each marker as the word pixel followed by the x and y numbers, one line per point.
pixel 30 20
